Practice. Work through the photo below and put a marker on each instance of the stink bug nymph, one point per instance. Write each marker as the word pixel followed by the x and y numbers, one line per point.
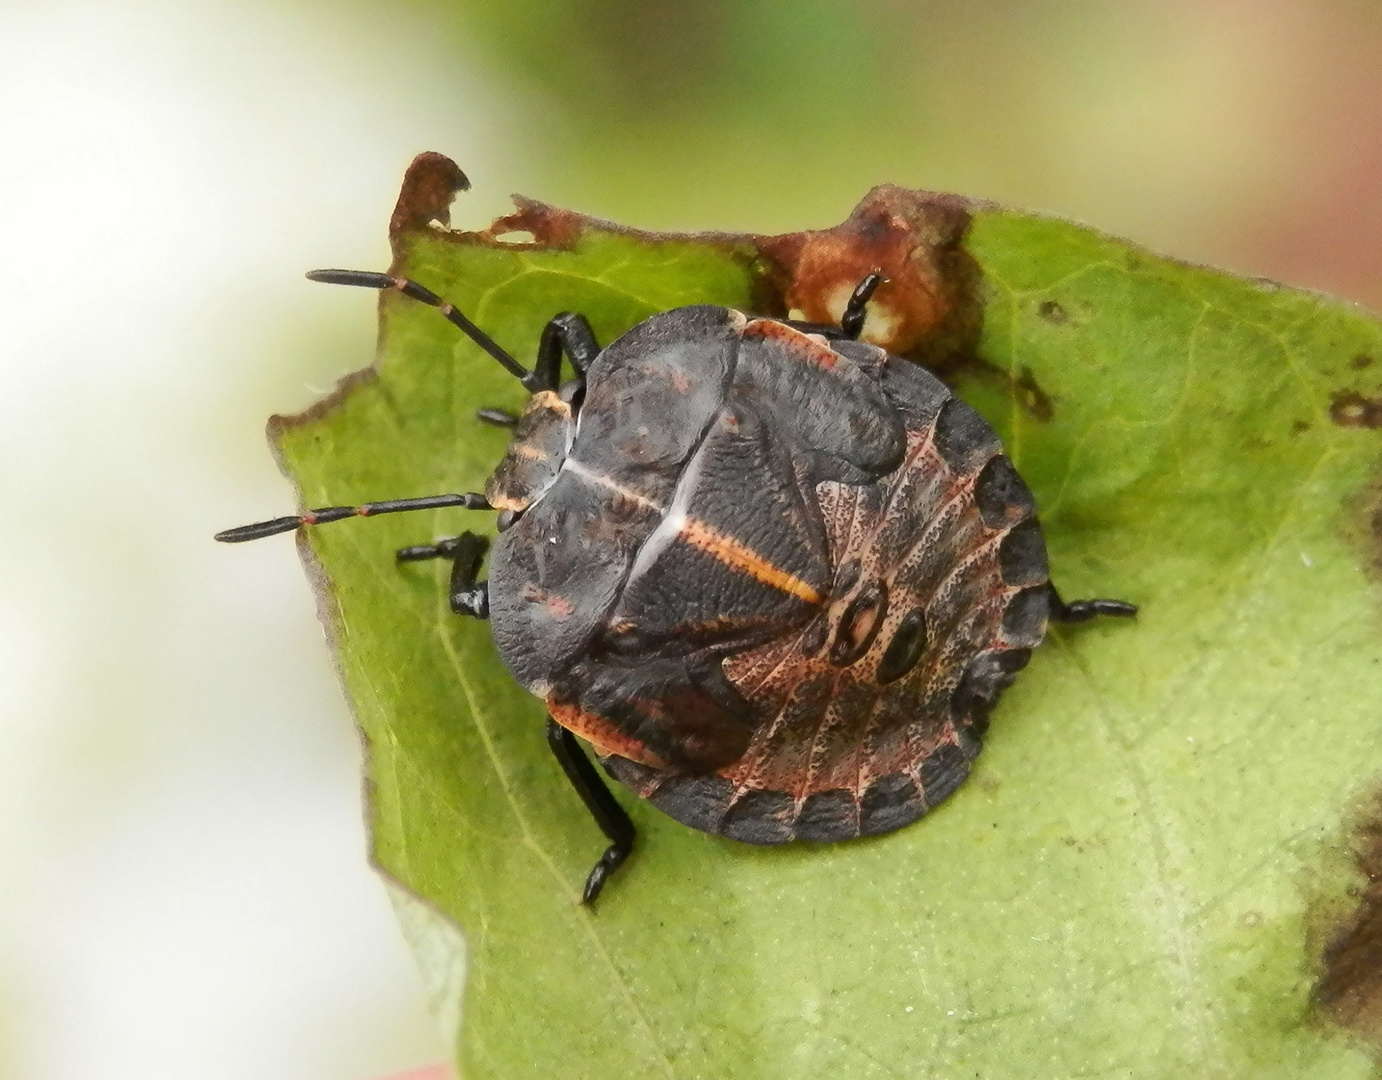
pixel 776 577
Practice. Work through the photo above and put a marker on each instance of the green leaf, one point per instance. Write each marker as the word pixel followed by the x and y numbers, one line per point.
pixel 1147 868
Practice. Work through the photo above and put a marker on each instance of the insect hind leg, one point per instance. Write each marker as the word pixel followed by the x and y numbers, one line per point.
pixel 1079 611
pixel 614 822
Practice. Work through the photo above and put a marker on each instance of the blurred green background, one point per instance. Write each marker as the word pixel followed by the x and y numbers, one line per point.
pixel 183 891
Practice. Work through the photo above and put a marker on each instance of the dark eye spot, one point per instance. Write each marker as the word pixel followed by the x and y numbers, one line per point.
pixel 860 625
pixel 908 643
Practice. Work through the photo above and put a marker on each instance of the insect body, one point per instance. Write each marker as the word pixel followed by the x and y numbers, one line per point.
pixel 776 577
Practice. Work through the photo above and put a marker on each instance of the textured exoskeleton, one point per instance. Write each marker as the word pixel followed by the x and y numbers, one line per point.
pixel 776 580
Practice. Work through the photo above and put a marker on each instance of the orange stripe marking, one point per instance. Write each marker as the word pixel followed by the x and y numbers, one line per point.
pixel 742 557
pixel 802 345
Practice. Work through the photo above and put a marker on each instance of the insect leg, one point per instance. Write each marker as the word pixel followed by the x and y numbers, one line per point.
pixel 468 596
pixel 1078 611
pixel 569 335
pixel 496 417
pixel 852 321
pixel 603 807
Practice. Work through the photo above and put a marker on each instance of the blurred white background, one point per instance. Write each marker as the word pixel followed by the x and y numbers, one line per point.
pixel 183 891
pixel 183 886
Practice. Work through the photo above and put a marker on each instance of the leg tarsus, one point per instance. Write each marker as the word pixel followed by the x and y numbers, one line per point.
pixel 472 601
pixel 568 335
pixel 467 595
pixel 856 310
pixel 1079 611
pixel 614 822
pixel 610 861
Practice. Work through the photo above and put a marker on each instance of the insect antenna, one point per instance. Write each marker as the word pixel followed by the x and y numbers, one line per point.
pixel 325 514
pixel 370 280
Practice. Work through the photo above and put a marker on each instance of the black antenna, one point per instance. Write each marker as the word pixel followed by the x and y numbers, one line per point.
pixel 370 280
pixel 325 514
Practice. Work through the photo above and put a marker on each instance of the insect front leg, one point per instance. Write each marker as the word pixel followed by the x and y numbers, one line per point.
pixel 565 335
pixel 603 807
pixel 468 596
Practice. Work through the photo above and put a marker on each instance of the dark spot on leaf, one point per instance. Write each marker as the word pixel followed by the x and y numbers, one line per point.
pixel 1363 527
pixel 1300 427
pixel 1349 989
pixel 1052 312
pixel 1348 408
pixel 1032 397
pixel 1359 362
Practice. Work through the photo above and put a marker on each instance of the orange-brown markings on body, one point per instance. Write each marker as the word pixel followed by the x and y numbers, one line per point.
pixel 835 752
pixel 532 453
pixel 811 349
pixel 918 446
pixel 546 401
pixel 601 734
pixel 778 758
pixel 559 607
pixel 741 557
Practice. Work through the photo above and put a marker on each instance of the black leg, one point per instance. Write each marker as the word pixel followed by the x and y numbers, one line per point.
pixel 852 321
pixel 565 335
pixel 1078 611
pixel 496 417
pixel 467 551
pixel 603 807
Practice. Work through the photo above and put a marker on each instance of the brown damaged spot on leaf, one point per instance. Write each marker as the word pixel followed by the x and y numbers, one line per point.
pixel 927 310
pixel 1348 408
pixel 548 226
pixel 930 310
pixel 1349 990
pixel 1361 361
pixel 429 186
